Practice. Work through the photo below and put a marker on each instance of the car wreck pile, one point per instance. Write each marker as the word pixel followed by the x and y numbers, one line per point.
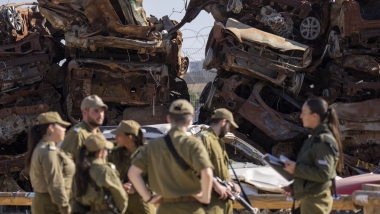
pixel 272 55
pixel 53 53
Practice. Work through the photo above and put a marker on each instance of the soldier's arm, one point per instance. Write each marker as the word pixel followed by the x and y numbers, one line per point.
pixel 54 180
pixel 324 164
pixel 135 172
pixel 197 155
pixel 73 142
pixel 111 181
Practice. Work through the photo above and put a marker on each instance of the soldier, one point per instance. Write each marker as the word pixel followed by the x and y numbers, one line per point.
pixel 212 138
pixel 50 170
pixel 130 140
pixel 319 159
pixel 95 180
pixel 93 115
pixel 173 164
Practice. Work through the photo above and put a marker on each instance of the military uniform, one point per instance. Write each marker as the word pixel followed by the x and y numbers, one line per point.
pixel 167 178
pixel 123 160
pixel 104 177
pixel 314 171
pixel 75 137
pixel 216 150
pixel 51 173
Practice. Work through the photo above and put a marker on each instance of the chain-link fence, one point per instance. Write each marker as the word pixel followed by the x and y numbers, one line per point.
pixel 196 77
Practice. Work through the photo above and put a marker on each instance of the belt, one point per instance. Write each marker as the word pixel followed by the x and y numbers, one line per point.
pixel 179 199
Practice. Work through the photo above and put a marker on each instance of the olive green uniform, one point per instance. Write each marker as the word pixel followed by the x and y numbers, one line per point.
pixel 51 174
pixel 315 168
pixel 123 160
pixel 105 177
pixel 216 150
pixel 75 137
pixel 167 178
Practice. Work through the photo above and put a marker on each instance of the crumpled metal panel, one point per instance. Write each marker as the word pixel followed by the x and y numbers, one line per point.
pixel 244 32
pixel 258 113
pixel 352 111
pixel 134 11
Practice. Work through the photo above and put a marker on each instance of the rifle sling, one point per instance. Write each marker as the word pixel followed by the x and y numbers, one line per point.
pixel 180 161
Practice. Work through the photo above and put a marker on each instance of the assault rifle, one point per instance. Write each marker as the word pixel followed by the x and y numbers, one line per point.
pixel 236 196
pixel 110 202
pixel 107 197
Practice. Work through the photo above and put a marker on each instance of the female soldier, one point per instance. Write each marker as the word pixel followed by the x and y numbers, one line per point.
pixel 129 138
pixel 320 157
pixel 97 188
pixel 50 170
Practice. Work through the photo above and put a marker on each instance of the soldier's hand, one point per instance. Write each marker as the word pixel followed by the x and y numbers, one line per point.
pixel 129 188
pixel 222 191
pixel 155 200
pixel 290 166
pixel 198 197
pixel 236 188
pixel 287 191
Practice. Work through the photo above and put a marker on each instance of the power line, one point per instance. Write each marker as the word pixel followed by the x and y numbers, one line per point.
pixel 191 37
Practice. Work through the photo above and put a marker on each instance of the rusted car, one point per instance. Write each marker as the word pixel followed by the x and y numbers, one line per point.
pixel 271 56
pixel 354 28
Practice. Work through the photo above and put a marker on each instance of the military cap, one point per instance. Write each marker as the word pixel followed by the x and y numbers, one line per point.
pixel 96 142
pixel 127 126
pixel 51 117
pixel 181 106
pixel 223 113
pixel 93 101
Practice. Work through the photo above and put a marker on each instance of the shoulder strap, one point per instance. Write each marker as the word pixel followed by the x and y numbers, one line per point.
pixel 175 154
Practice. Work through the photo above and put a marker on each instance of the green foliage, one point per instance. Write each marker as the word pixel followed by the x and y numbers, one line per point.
pixel 194 97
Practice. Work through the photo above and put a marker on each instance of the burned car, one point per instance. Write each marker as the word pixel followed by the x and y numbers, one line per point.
pixel 271 56
pixel 54 53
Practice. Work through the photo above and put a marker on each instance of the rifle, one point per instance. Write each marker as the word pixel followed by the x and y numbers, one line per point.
pixel 107 197
pixel 110 201
pixel 236 196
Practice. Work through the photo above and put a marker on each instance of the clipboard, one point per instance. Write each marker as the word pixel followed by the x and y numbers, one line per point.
pixel 277 165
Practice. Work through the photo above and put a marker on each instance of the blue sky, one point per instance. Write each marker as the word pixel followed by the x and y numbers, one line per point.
pixel 200 26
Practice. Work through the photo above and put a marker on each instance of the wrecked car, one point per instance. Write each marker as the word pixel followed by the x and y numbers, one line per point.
pixel 271 56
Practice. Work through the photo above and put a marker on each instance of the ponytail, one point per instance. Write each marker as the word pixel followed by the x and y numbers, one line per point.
pixel 82 167
pixel 327 114
pixel 333 122
pixel 139 139
pixel 35 134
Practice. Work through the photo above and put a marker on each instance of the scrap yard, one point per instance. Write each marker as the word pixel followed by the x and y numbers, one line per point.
pixel 270 57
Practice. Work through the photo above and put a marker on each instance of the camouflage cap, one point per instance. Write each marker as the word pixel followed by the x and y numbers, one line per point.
pixel 96 142
pixel 93 101
pixel 51 117
pixel 223 113
pixel 181 106
pixel 127 126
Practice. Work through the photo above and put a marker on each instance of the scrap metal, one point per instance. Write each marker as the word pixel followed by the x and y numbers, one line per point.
pixel 271 56
pixel 54 53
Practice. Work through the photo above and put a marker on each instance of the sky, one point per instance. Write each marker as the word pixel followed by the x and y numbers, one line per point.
pixel 195 34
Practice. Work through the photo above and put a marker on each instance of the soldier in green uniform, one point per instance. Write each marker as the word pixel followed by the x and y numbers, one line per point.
pixel 178 188
pixel 212 138
pixel 51 171
pixel 130 140
pixel 95 179
pixel 319 159
pixel 93 115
